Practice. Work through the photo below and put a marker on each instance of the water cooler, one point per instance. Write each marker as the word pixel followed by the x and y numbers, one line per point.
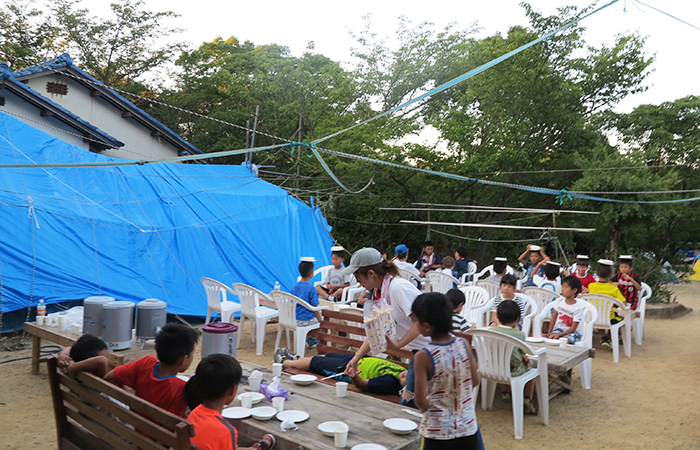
pixel 151 315
pixel 219 337
pixel 117 322
pixel 92 314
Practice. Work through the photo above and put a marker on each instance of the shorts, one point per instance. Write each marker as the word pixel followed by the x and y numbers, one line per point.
pixel 325 289
pixel 306 323
pixel 572 337
pixel 329 364
pixel 472 442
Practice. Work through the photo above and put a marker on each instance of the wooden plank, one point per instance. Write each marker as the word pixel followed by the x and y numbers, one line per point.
pixel 342 340
pixel 335 326
pixel 56 395
pixel 102 433
pixel 80 438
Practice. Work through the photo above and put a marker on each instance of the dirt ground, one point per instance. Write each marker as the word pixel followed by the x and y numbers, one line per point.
pixel 648 401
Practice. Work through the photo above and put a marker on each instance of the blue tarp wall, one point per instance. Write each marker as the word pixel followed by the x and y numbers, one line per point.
pixel 137 232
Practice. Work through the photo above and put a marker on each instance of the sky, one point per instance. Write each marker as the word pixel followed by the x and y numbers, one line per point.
pixel 329 26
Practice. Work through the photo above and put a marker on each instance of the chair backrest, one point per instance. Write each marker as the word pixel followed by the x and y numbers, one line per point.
pixel 644 295
pixel 542 296
pixel 531 310
pixel 493 288
pixel 486 270
pixel 249 298
pixel 321 270
pixel 471 270
pixel 405 274
pixel 287 307
pixel 603 304
pixel 475 297
pixel 493 350
pixel 586 327
pixel 216 292
pixel 440 281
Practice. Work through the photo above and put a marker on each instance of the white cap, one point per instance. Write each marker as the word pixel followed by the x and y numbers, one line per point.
pixel 625 257
pixel 337 248
pixel 535 248
pixel 554 263
pixel 499 258
pixel 583 257
pixel 606 262
pixel 308 259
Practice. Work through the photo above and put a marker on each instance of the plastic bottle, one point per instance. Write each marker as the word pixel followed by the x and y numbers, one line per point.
pixel 277 285
pixel 41 308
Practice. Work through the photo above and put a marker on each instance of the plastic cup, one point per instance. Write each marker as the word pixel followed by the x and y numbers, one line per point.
pixel 340 434
pixel 254 384
pixel 341 388
pixel 276 369
pixel 563 342
pixel 40 320
pixel 278 403
pixel 76 328
pixel 62 323
pixel 247 400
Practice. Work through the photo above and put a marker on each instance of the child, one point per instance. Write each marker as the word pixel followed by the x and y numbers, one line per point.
pixel 508 317
pixel 305 291
pixel 457 300
pixel 88 354
pixel 444 378
pixel 629 283
pixel 461 262
pixel 508 283
pixel 155 379
pixel 536 255
pixel 582 264
pixel 216 381
pixel 429 260
pixel 449 263
pixel 604 286
pixel 568 312
pixel 192 397
pixel 500 265
pixel 401 252
pixel 377 375
pixel 334 281
pixel 550 280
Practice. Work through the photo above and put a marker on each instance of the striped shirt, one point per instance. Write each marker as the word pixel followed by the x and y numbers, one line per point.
pixel 459 323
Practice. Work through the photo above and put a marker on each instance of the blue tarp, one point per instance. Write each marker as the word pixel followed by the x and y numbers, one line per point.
pixel 137 232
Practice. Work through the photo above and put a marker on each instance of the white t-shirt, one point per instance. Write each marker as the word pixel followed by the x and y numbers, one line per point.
pixel 335 277
pixel 544 283
pixel 568 314
pixel 401 295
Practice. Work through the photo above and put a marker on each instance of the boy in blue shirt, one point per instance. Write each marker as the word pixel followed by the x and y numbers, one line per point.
pixel 305 291
pixel 536 255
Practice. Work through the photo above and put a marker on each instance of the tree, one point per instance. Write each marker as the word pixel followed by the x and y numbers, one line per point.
pixel 27 35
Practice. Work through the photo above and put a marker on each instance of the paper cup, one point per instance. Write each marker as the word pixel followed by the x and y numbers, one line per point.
pixel 76 328
pixel 340 434
pixel 563 342
pixel 276 369
pixel 341 388
pixel 278 403
pixel 40 320
pixel 254 384
pixel 62 323
pixel 247 400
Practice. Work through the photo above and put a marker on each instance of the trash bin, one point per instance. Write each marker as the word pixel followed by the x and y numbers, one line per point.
pixel 219 337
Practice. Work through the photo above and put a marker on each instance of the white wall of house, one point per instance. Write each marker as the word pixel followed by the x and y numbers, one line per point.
pixel 16 105
pixel 137 139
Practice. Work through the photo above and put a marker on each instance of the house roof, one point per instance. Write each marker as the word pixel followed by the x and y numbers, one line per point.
pixel 65 63
pixel 100 138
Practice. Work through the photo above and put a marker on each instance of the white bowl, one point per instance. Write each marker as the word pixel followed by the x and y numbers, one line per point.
pixel 328 428
pixel 400 426
pixel 264 412
pixel 257 397
pixel 303 379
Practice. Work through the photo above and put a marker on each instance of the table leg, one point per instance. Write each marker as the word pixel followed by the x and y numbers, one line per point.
pixel 36 349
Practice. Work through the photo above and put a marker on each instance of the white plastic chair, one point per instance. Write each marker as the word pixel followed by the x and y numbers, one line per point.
pixel 320 270
pixel 287 307
pixel 477 304
pixel 405 274
pixel 467 276
pixel 256 314
pixel 586 336
pixel 441 282
pixel 638 322
pixel 493 288
pixel 604 304
pixel 489 269
pixel 531 310
pixel 216 300
pixel 543 297
pixel 493 350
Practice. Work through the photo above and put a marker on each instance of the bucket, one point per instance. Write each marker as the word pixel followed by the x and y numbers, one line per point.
pixel 92 314
pixel 219 337
pixel 151 315
pixel 117 322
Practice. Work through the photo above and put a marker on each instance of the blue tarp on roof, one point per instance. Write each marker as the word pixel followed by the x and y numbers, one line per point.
pixel 137 232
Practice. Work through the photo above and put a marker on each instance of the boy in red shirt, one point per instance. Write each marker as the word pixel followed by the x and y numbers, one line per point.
pixel 582 264
pixel 628 283
pixel 155 379
pixel 216 382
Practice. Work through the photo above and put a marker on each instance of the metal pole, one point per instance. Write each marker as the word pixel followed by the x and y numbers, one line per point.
pixel 298 153
pixel 255 127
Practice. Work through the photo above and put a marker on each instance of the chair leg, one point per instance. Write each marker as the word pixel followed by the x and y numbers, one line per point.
pixel 627 339
pixel 289 341
pixel 209 311
pixel 240 330
pixel 516 393
pixel 615 337
pixel 585 372
pixel 487 393
pixel 638 330
pixel 279 336
pixel 543 397
pixel 259 335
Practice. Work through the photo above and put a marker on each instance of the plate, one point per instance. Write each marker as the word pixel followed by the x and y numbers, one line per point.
pixel 400 426
pixel 257 397
pixel 263 412
pixel 552 342
pixel 236 412
pixel 294 415
pixel 303 379
pixel 534 339
pixel 328 428
pixel 368 447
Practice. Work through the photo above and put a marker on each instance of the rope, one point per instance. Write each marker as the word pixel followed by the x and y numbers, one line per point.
pixel 478 239
pixel 667 14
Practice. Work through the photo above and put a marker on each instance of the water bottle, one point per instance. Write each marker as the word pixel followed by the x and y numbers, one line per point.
pixel 277 285
pixel 41 308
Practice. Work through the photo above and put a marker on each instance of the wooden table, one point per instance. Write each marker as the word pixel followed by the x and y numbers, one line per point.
pixel 364 415
pixel 560 362
pixel 67 338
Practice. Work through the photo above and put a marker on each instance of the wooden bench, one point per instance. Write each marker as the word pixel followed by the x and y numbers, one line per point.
pixel 87 419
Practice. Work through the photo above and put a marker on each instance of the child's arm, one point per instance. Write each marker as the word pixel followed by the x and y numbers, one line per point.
pixel 636 285
pixel 494 318
pixel 571 329
pixel 473 364
pixel 360 382
pixel 64 358
pixel 552 321
pixel 521 258
pixel 410 335
pixel 351 368
pixel 109 376
pixel 98 365
pixel 421 366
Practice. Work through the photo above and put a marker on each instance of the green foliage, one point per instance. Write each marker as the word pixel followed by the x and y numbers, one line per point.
pixel 27 35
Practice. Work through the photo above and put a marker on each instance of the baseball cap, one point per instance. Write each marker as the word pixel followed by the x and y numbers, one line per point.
pixel 364 257
pixel 401 248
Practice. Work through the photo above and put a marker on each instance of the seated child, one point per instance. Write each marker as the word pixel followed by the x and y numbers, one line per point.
pixel 216 382
pixel 376 375
pixel 334 281
pixel 605 287
pixel 582 264
pixel 568 312
pixel 461 262
pixel 457 300
pixel 536 256
pixel 500 266
pixel 429 260
pixel 88 354
pixel 449 263
pixel 550 280
pixel 508 316
pixel 155 379
pixel 192 397
pixel 629 283
pixel 305 291
pixel 508 283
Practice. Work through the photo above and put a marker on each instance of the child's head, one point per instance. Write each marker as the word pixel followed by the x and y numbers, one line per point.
pixel 428 248
pixel 448 262
pixel 535 256
pixel 433 313
pixel 461 252
pixel 87 346
pixel 175 345
pixel 456 298
pixel 551 270
pixel 192 397
pixel 337 259
pixel 626 264
pixel 508 284
pixel 217 376
pixel 401 252
pixel 306 269
pixel 605 268
pixel 500 265
pixel 582 264
pixel 508 313
pixel 571 286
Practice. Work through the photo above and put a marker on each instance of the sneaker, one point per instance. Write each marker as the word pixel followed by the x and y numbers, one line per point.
pixel 331 298
pixel 266 443
pixel 289 354
pixel 506 397
pixel 311 342
pixel 280 355
pixel 529 406
pixel 606 342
